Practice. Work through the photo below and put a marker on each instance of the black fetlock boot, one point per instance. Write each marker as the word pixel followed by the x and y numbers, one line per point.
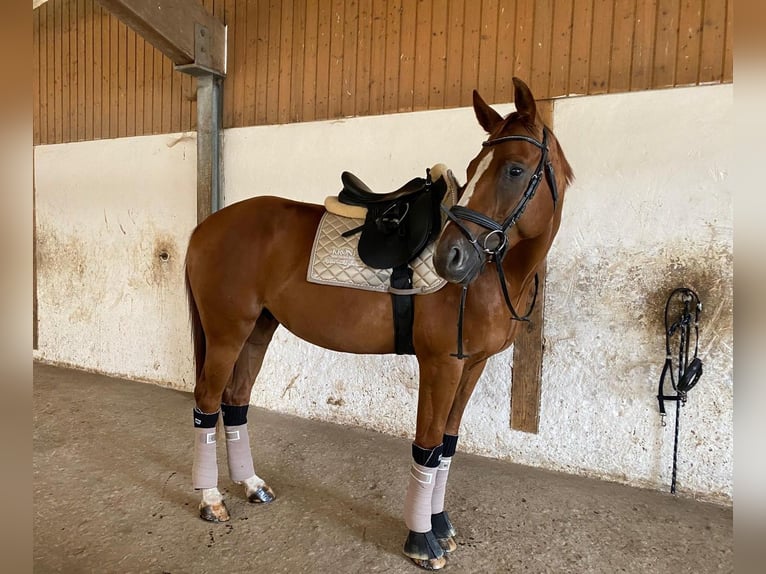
pixel 443 531
pixel 424 550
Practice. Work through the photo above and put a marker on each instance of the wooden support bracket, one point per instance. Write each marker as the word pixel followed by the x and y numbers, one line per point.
pixel 196 43
pixel 181 29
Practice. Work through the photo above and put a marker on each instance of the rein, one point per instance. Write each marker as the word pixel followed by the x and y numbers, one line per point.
pixel 484 244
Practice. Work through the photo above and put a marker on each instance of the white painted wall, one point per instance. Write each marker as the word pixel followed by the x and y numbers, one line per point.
pixel 304 161
pixel 106 212
pixel 650 210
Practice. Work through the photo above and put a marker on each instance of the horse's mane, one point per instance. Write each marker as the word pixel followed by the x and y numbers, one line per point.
pixel 567 173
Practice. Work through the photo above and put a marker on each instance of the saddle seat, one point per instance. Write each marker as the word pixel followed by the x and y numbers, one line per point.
pixel 398 225
pixel 356 192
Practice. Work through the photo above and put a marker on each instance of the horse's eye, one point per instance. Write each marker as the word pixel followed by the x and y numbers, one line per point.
pixel 514 171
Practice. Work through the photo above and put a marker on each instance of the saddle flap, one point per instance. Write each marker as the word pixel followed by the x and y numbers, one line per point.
pixel 384 243
pixel 395 233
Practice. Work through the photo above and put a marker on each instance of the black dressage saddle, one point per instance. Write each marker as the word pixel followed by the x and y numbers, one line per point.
pixel 399 224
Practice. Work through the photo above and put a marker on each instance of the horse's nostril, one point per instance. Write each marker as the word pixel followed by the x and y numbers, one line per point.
pixel 456 257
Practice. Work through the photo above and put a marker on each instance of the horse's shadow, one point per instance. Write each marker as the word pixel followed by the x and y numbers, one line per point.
pixel 371 517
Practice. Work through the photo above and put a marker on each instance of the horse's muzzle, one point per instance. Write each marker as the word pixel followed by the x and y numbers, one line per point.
pixel 457 260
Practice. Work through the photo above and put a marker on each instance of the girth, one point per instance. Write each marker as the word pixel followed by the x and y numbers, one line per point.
pixel 397 227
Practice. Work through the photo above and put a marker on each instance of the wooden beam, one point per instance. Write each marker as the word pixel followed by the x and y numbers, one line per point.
pixel 35 337
pixel 181 29
pixel 529 346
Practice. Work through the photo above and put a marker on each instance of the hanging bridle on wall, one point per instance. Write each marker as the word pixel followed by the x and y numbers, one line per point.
pixel 688 372
pixel 492 245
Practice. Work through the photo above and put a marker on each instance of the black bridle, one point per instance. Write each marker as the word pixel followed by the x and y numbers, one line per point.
pixel 689 371
pixel 484 243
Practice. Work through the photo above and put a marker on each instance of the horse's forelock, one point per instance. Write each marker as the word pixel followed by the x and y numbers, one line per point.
pixel 535 130
pixel 516 117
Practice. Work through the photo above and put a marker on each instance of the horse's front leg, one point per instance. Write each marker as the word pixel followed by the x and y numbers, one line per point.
pixel 439 380
pixel 441 525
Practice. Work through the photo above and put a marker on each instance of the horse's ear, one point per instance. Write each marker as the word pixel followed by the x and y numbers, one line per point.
pixel 488 118
pixel 524 100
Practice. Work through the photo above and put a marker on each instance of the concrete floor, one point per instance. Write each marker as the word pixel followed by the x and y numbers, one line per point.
pixel 112 462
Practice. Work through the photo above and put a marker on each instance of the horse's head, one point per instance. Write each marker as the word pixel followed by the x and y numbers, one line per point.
pixel 514 191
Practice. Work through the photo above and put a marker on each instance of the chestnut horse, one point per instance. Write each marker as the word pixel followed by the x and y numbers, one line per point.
pixel 246 274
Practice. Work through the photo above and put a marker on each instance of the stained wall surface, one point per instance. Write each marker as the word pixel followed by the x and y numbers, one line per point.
pixel 112 221
pixel 650 210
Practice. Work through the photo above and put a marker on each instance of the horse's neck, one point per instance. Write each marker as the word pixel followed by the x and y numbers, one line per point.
pixel 521 262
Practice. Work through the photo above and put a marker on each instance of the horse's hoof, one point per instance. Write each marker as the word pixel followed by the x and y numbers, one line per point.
pixel 448 544
pixel 444 531
pixel 432 564
pixel 424 550
pixel 262 495
pixel 214 512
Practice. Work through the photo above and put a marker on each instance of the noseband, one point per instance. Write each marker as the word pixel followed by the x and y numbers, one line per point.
pixel 483 244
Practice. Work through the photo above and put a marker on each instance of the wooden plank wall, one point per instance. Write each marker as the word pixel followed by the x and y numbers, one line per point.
pixel 305 60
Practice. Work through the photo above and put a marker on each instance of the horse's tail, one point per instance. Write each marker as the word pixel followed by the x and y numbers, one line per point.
pixel 198 333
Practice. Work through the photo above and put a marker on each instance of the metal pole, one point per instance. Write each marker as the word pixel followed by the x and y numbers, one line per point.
pixel 209 157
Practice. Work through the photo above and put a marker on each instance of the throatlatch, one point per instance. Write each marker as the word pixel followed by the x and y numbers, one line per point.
pixel 688 371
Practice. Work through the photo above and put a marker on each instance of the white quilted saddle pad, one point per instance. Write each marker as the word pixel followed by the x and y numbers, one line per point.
pixel 335 261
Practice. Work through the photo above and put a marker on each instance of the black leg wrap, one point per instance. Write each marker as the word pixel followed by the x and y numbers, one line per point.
pixel 422 546
pixel 450 445
pixel 234 416
pixel 441 525
pixel 205 420
pixel 429 458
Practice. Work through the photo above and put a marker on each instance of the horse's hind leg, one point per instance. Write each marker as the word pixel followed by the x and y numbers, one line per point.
pixel 236 400
pixel 219 359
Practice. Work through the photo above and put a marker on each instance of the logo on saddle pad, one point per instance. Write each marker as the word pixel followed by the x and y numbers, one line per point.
pixel 343 257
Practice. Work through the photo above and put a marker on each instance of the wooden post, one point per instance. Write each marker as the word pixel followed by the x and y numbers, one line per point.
pixel 35 337
pixel 529 345
pixel 528 365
